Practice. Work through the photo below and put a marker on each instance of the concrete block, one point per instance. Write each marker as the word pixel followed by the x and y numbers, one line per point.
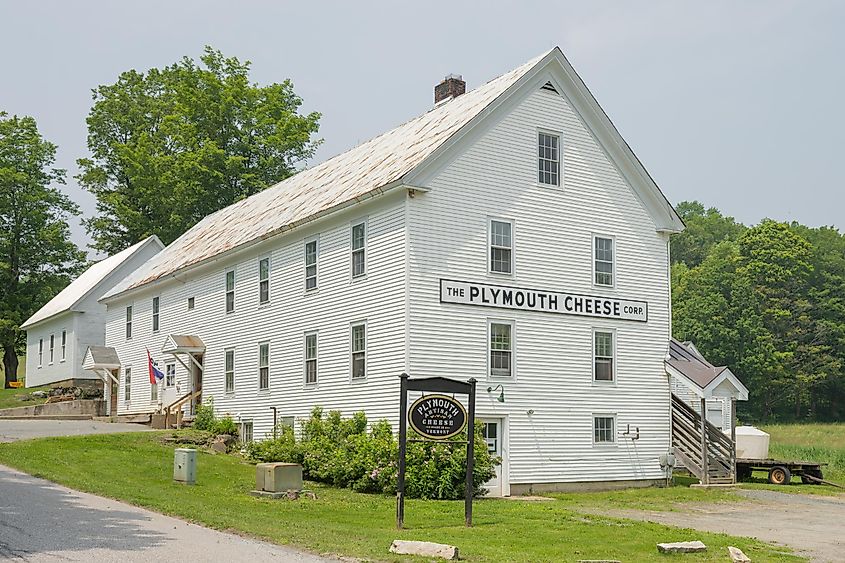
pixel 278 477
pixel 737 556
pixel 682 547
pixel 424 548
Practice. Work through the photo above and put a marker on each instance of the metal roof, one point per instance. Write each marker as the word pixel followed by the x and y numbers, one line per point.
pixel 183 343
pixel 101 357
pixel 350 177
pixel 82 286
pixel 685 358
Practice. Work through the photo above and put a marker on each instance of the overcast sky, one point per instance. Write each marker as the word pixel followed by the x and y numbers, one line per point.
pixel 736 104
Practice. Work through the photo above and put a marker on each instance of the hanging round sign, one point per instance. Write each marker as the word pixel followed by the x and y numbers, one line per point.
pixel 437 417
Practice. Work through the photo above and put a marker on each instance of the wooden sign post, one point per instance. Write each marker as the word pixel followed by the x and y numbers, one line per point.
pixel 436 418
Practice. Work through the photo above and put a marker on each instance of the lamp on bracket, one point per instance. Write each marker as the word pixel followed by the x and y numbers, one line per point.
pixel 501 397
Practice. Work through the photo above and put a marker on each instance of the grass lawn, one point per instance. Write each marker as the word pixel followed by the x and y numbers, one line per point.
pixel 137 468
pixel 8 399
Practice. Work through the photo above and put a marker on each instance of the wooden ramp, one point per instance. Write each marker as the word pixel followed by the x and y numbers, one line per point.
pixel 706 451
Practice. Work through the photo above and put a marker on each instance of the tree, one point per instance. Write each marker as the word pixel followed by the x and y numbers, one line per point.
pixel 704 229
pixel 172 145
pixel 36 254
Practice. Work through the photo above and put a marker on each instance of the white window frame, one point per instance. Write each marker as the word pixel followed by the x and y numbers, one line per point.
pixel 52 347
pixel 352 350
pixel 614 430
pixel 263 281
pixel 489 347
pixel 154 392
pixel 242 424
pixel 614 359
pixel 170 374
pixel 130 310
pixel 64 345
pixel 261 367
pixel 612 240
pixel 127 384
pixel 228 389
pixel 491 246
pixel 191 303
pixel 315 359
pixel 40 352
pixel 362 250
pixel 228 291
pixel 316 276
pixel 559 137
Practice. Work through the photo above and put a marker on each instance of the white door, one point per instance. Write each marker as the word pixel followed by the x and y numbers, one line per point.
pixel 493 435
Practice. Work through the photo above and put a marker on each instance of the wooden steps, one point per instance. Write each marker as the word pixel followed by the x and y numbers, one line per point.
pixel 701 447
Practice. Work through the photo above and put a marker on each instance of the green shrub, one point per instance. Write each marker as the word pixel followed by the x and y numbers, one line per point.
pixel 226 426
pixel 206 420
pixel 343 453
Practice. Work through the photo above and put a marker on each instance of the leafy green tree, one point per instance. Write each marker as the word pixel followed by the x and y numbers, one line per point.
pixel 172 145
pixel 36 254
pixel 704 229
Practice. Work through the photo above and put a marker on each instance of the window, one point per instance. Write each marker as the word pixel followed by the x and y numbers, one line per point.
pixel 230 371
pixel 359 241
pixel 64 344
pixel 127 384
pixel 311 359
pixel 311 264
pixel 129 322
pixel 40 352
pixel 245 432
pixel 264 365
pixel 603 356
pixel 52 346
pixel 490 433
pixel 286 422
pixel 169 375
pixel 263 280
pixel 603 432
pixel 359 351
pixel 155 314
pixel 153 392
pixel 501 349
pixel 230 291
pixel 549 161
pixel 603 261
pixel 190 303
pixel 501 247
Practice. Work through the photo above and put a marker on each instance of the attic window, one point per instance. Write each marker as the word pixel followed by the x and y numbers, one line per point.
pixel 549 86
pixel 190 303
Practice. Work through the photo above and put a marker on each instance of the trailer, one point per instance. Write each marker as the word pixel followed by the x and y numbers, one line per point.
pixel 780 471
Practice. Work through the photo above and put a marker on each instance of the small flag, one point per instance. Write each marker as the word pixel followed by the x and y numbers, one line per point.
pixel 155 373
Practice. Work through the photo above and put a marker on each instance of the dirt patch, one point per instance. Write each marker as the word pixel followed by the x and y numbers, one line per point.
pixel 813 526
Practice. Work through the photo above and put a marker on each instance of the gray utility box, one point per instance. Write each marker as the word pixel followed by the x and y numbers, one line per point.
pixel 185 466
pixel 278 477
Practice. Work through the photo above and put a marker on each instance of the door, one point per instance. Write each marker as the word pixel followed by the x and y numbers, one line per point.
pixel 113 395
pixel 492 431
pixel 196 382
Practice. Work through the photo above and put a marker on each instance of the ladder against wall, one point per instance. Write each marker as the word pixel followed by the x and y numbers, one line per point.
pixel 700 446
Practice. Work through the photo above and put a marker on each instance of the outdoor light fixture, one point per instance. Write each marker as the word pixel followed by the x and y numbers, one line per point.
pixel 501 397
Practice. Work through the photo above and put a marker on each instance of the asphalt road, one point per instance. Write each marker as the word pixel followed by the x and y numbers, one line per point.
pixel 11 430
pixel 42 522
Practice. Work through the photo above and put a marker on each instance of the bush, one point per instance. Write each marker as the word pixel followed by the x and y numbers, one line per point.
pixel 206 420
pixel 342 453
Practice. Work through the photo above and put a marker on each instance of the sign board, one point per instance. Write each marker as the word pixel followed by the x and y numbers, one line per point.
pixel 437 417
pixel 16 384
pixel 489 295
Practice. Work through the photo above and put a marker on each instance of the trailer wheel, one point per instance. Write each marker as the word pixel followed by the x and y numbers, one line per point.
pixel 779 475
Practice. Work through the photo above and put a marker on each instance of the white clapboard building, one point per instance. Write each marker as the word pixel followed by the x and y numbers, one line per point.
pixel 508 234
pixel 60 332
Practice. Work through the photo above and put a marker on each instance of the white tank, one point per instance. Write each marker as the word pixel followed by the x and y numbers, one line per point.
pixel 751 443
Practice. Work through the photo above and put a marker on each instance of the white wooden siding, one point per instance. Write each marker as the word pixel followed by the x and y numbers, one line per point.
pixel 553 238
pixel 378 297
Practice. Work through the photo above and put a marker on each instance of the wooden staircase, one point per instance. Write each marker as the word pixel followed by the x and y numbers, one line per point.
pixel 174 409
pixel 701 446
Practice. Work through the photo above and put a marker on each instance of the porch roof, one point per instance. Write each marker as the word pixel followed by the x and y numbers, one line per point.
pixel 183 344
pixel 689 366
pixel 100 358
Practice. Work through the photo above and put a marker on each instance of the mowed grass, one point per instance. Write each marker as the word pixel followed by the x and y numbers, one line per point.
pixel 137 468
pixel 8 397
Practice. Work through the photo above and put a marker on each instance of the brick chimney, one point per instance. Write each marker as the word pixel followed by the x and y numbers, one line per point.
pixel 451 87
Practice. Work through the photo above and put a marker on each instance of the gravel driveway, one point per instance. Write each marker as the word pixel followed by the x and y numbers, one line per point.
pixel 12 430
pixel 812 525
pixel 42 522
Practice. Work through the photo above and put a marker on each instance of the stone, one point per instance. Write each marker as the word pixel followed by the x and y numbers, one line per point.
pixel 682 547
pixel 222 443
pixel 424 548
pixel 737 556
pixel 39 394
